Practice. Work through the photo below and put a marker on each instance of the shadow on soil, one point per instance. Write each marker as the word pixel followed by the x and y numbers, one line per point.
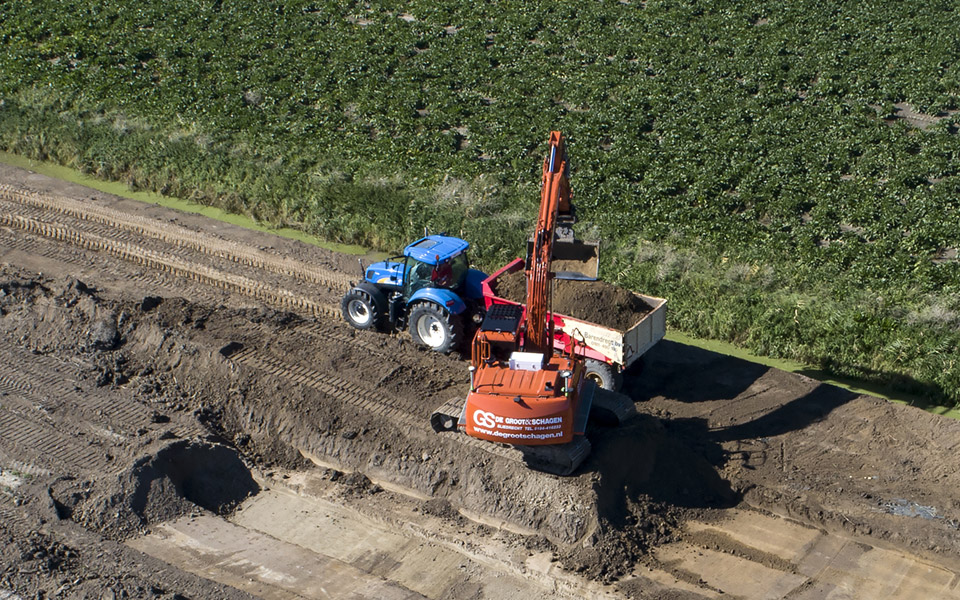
pixel 749 444
pixel 677 461
pixel 211 476
pixel 689 374
pixel 714 376
pixel 643 462
pixel 895 386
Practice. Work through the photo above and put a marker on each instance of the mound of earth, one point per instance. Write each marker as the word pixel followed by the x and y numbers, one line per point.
pixel 596 301
pixel 178 479
pixel 646 484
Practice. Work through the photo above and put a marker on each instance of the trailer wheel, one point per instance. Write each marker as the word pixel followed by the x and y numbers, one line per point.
pixel 476 312
pixel 361 310
pixel 435 328
pixel 603 374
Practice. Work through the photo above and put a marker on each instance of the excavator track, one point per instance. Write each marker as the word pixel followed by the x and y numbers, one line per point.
pixel 612 408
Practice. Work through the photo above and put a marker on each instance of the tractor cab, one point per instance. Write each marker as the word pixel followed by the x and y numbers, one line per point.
pixel 435 261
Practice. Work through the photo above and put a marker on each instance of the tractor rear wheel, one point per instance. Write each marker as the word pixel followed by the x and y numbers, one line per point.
pixel 360 310
pixel 435 328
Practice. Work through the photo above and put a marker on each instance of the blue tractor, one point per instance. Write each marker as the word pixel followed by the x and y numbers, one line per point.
pixel 430 288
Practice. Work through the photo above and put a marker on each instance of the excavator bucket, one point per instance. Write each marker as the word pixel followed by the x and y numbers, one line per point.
pixel 573 259
pixel 576 260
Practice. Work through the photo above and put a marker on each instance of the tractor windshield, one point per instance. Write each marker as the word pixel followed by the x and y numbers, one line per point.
pixel 448 274
pixel 459 265
pixel 417 276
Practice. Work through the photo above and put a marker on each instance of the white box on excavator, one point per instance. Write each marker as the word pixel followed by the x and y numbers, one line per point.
pixel 526 361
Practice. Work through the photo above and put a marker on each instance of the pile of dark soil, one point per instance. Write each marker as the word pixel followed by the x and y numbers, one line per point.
pixel 41 554
pixel 162 486
pixel 596 301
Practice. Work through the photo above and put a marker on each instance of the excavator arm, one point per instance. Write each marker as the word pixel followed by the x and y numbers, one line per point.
pixel 554 201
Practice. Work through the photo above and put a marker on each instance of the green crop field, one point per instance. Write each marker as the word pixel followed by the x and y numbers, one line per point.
pixel 786 173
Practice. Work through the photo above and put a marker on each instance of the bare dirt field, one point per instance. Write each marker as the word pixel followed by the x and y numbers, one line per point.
pixel 183 414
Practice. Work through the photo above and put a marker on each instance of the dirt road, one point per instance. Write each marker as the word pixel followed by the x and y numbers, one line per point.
pixel 183 414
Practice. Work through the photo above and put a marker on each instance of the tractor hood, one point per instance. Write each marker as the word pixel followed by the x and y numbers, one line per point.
pixel 385 273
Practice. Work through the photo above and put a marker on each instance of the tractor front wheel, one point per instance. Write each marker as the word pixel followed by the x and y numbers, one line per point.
pixel 360 310
pixel 435 328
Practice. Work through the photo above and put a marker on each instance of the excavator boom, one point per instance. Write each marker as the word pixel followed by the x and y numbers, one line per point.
pixel 554 192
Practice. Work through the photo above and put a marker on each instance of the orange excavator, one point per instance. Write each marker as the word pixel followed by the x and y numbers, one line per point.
pixel 522 393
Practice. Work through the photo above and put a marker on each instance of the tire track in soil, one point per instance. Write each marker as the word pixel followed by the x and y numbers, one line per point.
pixel 173 265
pixel 12 384
pixel 202 256
pixel 7 462
pixel 39 246
pixel 396 409
pixel 393 408
pixel 372 344
pixel 12 519
pixel 343 334
pixel 112 409
pixel 30 436
pixel 177 235
pixel 31 415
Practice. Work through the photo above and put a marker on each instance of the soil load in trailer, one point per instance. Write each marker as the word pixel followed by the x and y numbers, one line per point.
pixel 599 301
